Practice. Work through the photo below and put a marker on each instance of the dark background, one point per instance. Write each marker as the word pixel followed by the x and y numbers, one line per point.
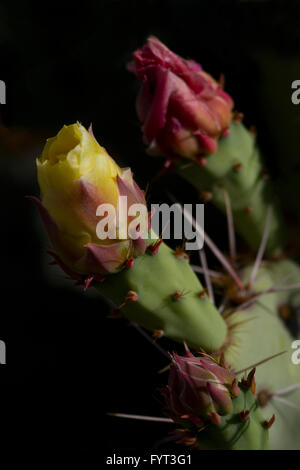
pixel 67 364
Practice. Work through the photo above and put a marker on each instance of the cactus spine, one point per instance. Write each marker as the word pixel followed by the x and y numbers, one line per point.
pixel 237 167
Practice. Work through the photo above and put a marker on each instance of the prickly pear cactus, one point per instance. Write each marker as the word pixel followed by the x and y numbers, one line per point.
pixel 212 395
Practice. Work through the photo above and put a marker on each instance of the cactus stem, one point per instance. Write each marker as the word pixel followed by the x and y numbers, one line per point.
pixel 206 276
pixel 230 226
pixel 262 248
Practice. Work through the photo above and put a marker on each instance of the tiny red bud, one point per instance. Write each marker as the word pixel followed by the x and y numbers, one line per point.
pixel 131 296
pixel 269 423
pixel 201 161
pixel 129 262
pixel 244 415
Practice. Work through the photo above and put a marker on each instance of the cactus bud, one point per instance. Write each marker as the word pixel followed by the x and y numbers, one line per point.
pixel 199 389
pixel 76 175
pixel 182 109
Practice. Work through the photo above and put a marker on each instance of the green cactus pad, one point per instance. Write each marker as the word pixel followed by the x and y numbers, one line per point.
pixel 256 334
pixel 237 166
pixel 155 279
pixel 235 434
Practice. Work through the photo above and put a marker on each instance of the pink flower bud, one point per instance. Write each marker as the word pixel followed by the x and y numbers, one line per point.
pixel 199 389
pixel 182 109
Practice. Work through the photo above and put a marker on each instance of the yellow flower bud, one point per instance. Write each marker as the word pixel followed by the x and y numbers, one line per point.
pixel 75 176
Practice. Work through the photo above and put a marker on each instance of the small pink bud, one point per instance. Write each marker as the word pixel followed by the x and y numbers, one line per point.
pixel 199 387
pixel 131 296
pixel 201 161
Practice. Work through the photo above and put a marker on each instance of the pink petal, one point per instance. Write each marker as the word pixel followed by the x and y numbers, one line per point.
pixel 52 229
pixel 104 258
pixel 128 188
pixel 156 118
